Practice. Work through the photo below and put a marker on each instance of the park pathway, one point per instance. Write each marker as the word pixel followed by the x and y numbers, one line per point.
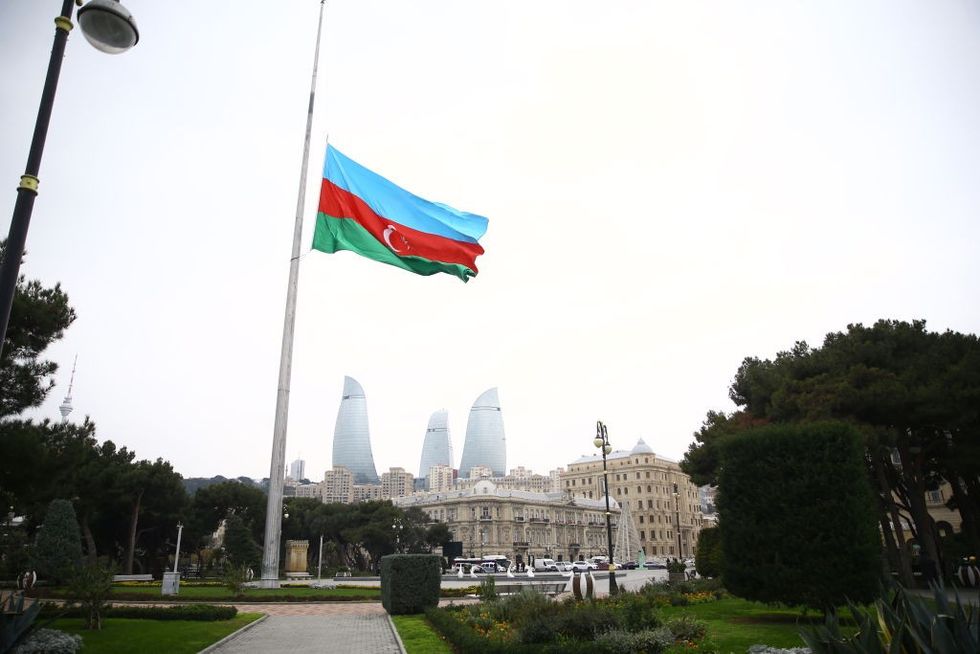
pixel 301 628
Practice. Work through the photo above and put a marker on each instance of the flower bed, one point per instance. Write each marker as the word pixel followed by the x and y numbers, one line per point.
pixel 531 622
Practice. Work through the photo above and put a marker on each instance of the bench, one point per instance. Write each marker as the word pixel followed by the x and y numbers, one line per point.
pixel 132 578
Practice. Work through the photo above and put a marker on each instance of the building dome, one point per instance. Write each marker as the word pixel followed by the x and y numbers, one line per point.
pixel 641 448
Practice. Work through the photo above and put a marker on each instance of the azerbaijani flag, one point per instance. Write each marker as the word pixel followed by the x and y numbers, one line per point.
pixel 362 212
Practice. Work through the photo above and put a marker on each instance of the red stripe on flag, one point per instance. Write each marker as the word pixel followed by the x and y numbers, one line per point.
pixel 403 241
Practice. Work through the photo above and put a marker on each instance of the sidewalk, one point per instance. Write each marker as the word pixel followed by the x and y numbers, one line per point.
pixel 357 630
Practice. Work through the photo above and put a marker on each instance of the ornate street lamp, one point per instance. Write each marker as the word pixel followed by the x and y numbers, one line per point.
pixel 397 527
pixel 601 441
pixel 108 26
pixel 677 521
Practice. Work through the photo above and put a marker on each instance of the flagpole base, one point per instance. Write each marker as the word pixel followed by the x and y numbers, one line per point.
pixel 269 583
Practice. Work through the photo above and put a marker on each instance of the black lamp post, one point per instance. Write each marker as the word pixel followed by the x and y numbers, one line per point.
pixel 397 527
pixel 109 27
pixel 601 441
pixel 677 520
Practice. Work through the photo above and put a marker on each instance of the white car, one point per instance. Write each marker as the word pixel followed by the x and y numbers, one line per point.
pixel 564 566
pixel 583 566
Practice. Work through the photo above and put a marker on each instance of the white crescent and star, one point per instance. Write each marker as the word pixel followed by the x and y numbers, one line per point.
pixel 387 238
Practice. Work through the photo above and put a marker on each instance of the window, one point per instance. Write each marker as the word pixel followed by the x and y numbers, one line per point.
pixel 643 536
pixel 641 520
pixel 649 504
pixel 648 474
pixel 649 488
pixel 639 489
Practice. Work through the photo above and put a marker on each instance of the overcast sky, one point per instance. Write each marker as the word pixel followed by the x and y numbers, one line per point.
pixel 671 187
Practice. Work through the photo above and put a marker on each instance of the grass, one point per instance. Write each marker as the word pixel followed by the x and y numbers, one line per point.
pixel 735 624
pixel 121 635
pixel 418 636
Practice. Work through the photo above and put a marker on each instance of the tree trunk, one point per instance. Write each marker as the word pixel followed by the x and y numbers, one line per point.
pixel 904 567
pixel 133 523
pixel 930 560
pixel 91 554
pixel 967 508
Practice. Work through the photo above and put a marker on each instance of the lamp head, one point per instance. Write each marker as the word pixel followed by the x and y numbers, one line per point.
pixel 607 448
pixel 108 26
pixel 597 441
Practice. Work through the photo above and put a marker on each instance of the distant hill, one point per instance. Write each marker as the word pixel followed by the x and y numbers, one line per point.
pixel 192 484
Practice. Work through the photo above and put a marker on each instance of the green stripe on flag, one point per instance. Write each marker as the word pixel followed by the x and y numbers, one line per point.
pixel 333 234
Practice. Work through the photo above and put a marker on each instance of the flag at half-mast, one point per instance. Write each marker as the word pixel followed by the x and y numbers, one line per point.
pixel 362 212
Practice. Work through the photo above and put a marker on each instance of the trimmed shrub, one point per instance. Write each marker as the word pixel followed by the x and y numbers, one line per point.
pixel 194 612
pixel 58 544
pixel 49 641
pixel 687 627
pixel 799 517
pixel 410 582
pixel 708 559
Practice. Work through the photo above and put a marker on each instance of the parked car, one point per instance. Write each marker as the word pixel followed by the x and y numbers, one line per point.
pixel 583 566
pixel 629 565
pixel 655 565
pixel 564 566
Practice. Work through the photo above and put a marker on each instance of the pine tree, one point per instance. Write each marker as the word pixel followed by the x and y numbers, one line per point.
pixel 58 544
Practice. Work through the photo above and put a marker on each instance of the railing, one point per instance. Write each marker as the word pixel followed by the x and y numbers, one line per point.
pixel 575 545
pixel 521 543
pixel 540 519
pixel 484 518
pixel 518 518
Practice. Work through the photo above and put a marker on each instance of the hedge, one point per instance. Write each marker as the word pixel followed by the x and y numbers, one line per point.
pixel 196 612
pixel 410 582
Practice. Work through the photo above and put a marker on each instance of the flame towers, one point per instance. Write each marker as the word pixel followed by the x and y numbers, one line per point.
pixel 437 449
pixel 485 443
pixel 351 436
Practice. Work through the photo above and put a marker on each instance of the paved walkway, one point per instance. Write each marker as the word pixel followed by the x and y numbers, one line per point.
pixel 316 628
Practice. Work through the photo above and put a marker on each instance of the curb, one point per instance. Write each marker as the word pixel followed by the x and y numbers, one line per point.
pixel 394 630
pixel 235 634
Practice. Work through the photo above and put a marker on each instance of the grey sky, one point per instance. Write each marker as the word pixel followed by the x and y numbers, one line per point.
pixel 671 187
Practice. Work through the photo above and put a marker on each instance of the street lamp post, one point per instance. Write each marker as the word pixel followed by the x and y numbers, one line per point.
pixel 109 27
pixel 601 441
pixel 677 520
pixel 397 527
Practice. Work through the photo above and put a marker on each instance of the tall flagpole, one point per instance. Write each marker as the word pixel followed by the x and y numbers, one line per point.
pixel 273 512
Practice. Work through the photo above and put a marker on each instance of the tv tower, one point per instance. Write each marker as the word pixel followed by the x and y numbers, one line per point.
pixel 66 407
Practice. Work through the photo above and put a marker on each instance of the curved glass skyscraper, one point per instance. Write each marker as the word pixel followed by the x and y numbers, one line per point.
pixel 485 444
pixel 351 437
pixel 437 448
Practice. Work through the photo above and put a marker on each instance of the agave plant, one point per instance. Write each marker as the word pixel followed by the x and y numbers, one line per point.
pixel 16 617
pixel 908 624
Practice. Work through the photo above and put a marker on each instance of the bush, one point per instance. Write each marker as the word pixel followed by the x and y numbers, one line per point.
pixel 799 517
pixel 687 627
pixel 234 578
pixel 49 641
pixel 194 612
pixel 488 589
pixel 90 586
pixel 410 582
pixel 708 559
pixel 58 544
pixel 649 641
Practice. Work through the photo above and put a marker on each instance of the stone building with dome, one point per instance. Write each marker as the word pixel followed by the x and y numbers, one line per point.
pixel 521 525
pixel 662 501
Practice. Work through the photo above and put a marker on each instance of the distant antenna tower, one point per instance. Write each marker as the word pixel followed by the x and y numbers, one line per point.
pixel 66 407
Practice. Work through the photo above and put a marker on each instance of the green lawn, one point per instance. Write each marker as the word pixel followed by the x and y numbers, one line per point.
pixel 151 636
pixel 418 636
pixel 735 624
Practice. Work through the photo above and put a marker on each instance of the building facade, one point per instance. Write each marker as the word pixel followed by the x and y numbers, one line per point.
pixel 521 525
pixel 664 504
pixel 338 486
pixel 485 443
pixel 519 478
pixel 297 469
pixel 352 437
pixel 397 483
pixel 439 479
